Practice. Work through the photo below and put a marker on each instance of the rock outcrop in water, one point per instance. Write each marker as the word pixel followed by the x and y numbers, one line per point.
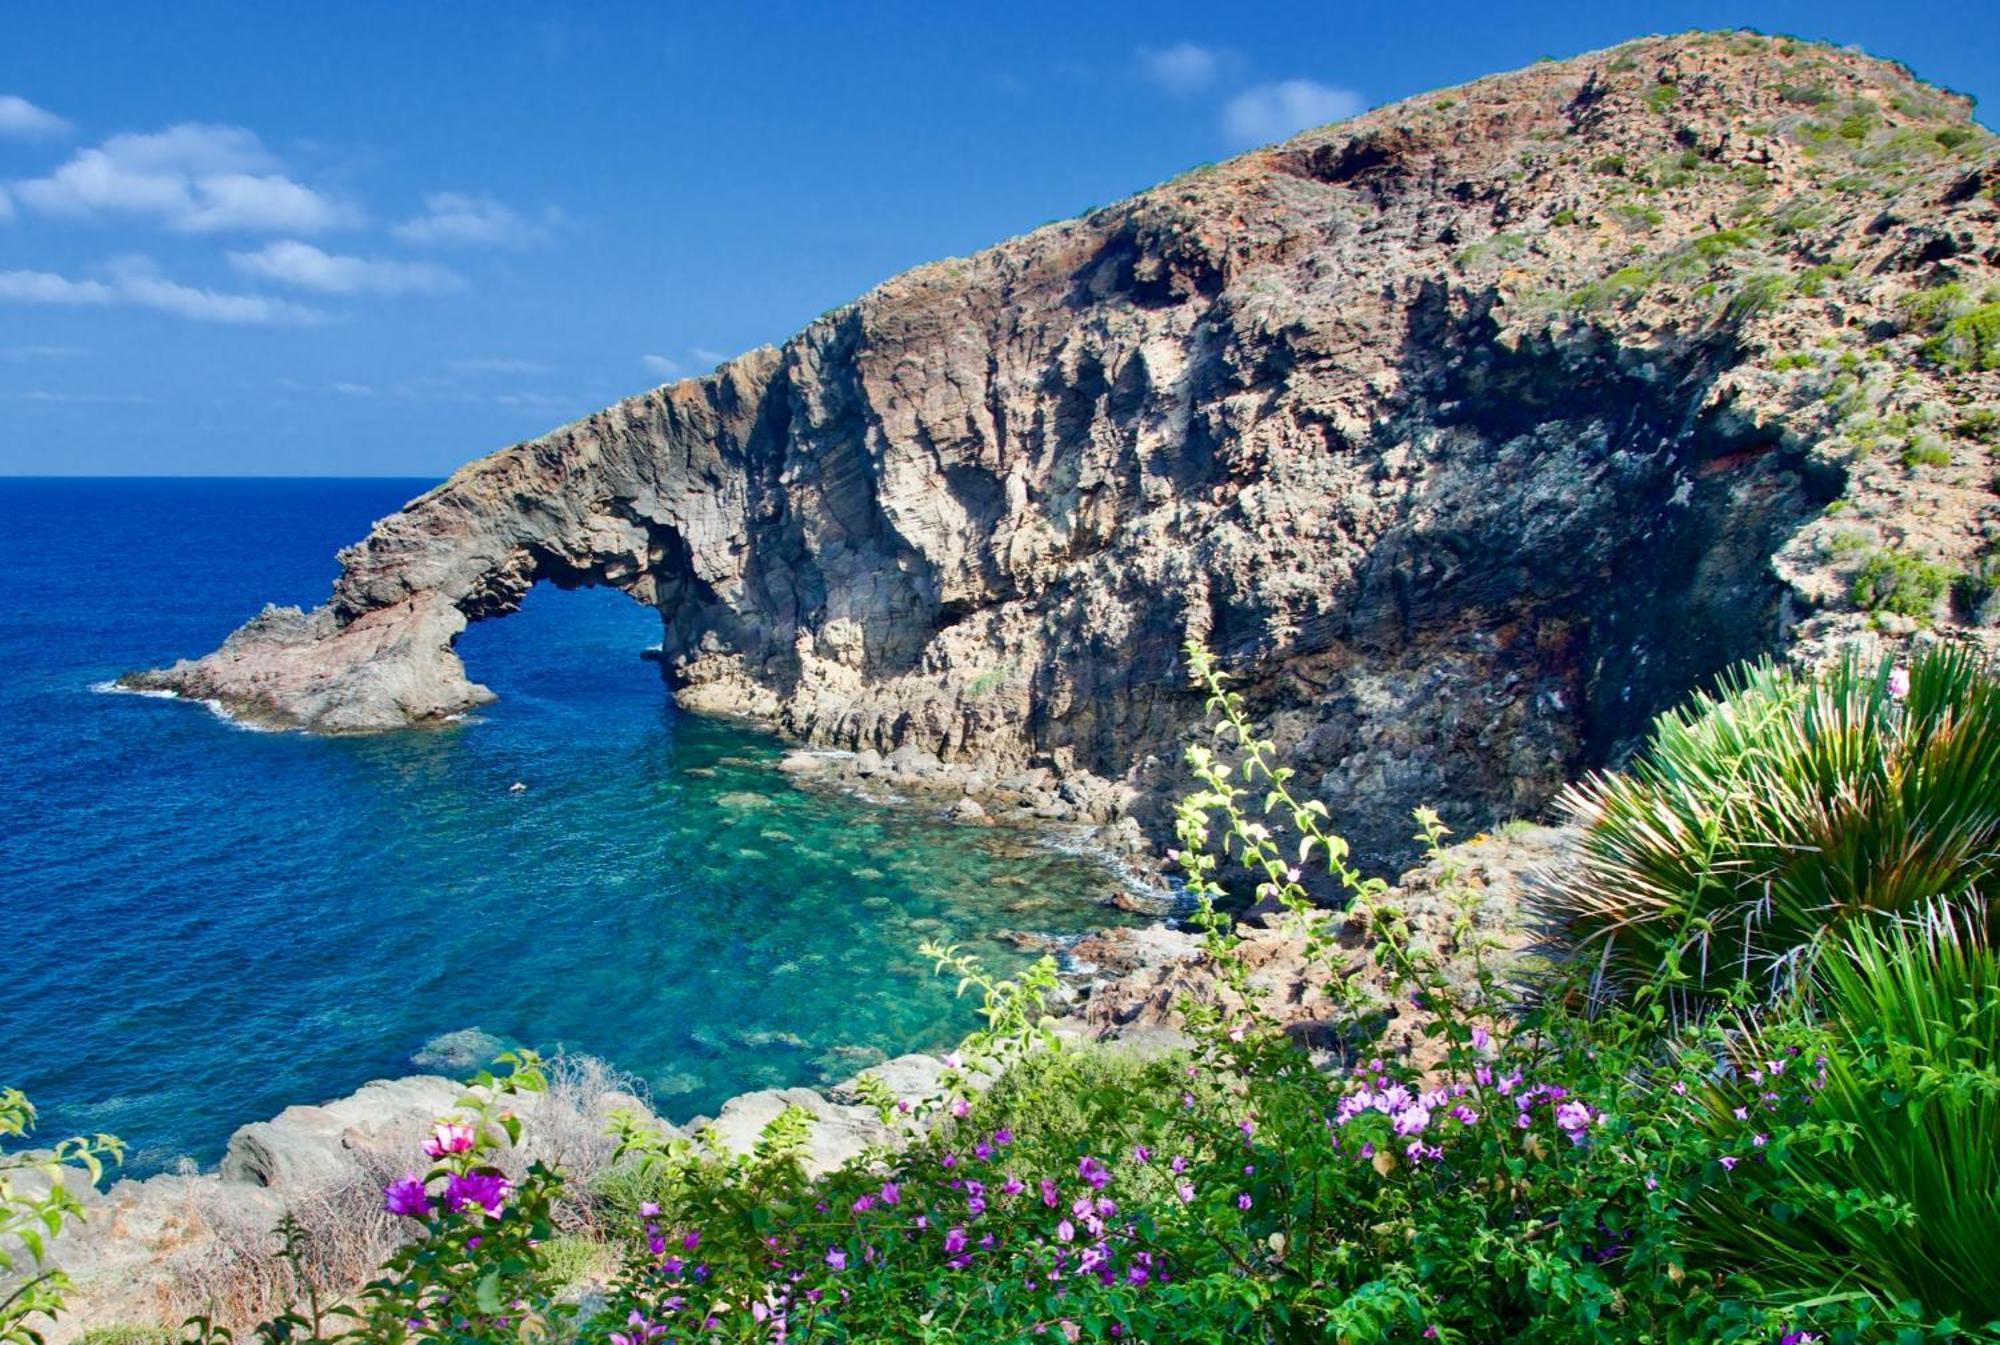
pixel 1471 433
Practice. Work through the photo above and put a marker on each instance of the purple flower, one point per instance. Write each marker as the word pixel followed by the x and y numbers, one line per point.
pixel 692 1240
pixel 1049 1192
pixel 954 1240
pixel 1003 1136
pixel 405 1196
pixel 1065 1231
pixel 836 1259
pixel 648 1208
pixel 1573 1119
pixel 891 1194
pixel 1012 1186
pixel 1141 1154
pixel 1092 1170
pixel 1243 1200
pixel 1729 1162
pixel 1480 1037
pixel 1185 1190
pixel 484 1189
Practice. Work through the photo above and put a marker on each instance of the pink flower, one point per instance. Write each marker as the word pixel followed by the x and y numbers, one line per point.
pixel 1185 1190
pixel 1899 683
pixel 891 1193
pixel 448 1137
pixel 1065 1232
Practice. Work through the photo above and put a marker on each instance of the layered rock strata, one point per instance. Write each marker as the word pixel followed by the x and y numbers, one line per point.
pixel 1471 433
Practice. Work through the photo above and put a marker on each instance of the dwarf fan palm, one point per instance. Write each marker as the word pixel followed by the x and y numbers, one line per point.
pixel 1892 1189
pixel 1760 816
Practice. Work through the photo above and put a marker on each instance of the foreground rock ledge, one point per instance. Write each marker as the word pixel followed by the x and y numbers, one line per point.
pixel 1471 433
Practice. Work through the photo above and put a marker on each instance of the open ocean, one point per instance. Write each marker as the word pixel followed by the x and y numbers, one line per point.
pixel 202 924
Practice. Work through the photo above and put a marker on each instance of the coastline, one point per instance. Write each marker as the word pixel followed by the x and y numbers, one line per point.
pixel 143 1241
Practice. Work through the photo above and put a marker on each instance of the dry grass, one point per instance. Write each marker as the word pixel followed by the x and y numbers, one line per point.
pixel 224 1261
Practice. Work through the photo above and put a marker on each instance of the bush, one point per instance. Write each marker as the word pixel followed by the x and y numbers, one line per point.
pixel 1896 1176
pixel 37 1198
pixel 1756 818
pixel 1577 1178
pixel 1898 582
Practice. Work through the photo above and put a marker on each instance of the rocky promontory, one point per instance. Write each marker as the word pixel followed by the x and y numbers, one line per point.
pixel 1470 433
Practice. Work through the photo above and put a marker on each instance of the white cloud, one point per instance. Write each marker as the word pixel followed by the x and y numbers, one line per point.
pixel 75 398
pixel 707 356
pixel 353 389
pixel 306 267
pixel 661 365
pixel 500 365
pixel 456 219
pixel 1274 111
pixel 19 354
pixel 1183 68
pixel 136 283
pixel 192 178
pixel 22 119
pixel 6 205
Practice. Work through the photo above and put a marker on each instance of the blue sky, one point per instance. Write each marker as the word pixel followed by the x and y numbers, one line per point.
pixel 367 239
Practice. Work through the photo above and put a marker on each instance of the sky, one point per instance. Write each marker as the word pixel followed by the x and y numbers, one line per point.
pixel 382 239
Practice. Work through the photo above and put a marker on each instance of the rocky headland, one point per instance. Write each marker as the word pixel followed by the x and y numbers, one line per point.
pixel 1470 433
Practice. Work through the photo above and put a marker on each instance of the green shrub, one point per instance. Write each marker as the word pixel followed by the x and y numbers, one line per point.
pixel 1925 451
pixel 126 1335
pixel 1757 817
pixel 1981 423
pixel 1759 293
pixel 1898 582
pixel 1660 96
pixel 1969 342
pixel 1896 1176
pixel 37 1198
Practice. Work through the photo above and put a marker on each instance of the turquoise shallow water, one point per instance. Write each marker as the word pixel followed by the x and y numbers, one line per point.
pixel 203 924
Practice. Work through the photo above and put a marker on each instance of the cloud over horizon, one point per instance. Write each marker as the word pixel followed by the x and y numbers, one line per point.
pixel 136 282
pixel 1268 112
pixel 461 219
pixel 192 178
pixel 303 266
pixel 1185 67
pixel 22 120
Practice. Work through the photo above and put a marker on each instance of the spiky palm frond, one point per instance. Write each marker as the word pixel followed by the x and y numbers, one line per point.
pixel 1777 808
pixel 1894 1187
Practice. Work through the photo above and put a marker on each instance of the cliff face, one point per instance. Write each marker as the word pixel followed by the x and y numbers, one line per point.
pixel 1471 433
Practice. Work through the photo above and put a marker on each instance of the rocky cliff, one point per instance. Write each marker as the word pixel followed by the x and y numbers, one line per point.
pixel 1471 433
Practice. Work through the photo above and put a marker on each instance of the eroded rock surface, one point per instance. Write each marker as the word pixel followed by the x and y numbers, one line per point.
pixel 1466 432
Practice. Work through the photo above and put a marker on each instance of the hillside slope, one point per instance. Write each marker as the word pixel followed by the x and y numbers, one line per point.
pixel 1471 432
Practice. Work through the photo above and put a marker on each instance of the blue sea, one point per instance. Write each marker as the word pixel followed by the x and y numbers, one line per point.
pixel 201 924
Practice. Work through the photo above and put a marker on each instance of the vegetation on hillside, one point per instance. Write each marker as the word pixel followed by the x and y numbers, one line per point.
pixel 1712 1153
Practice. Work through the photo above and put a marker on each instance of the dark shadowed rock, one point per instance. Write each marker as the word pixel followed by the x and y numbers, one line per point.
pixel 1470 433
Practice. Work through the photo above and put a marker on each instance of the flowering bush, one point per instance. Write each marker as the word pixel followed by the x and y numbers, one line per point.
pixel 1559 1170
